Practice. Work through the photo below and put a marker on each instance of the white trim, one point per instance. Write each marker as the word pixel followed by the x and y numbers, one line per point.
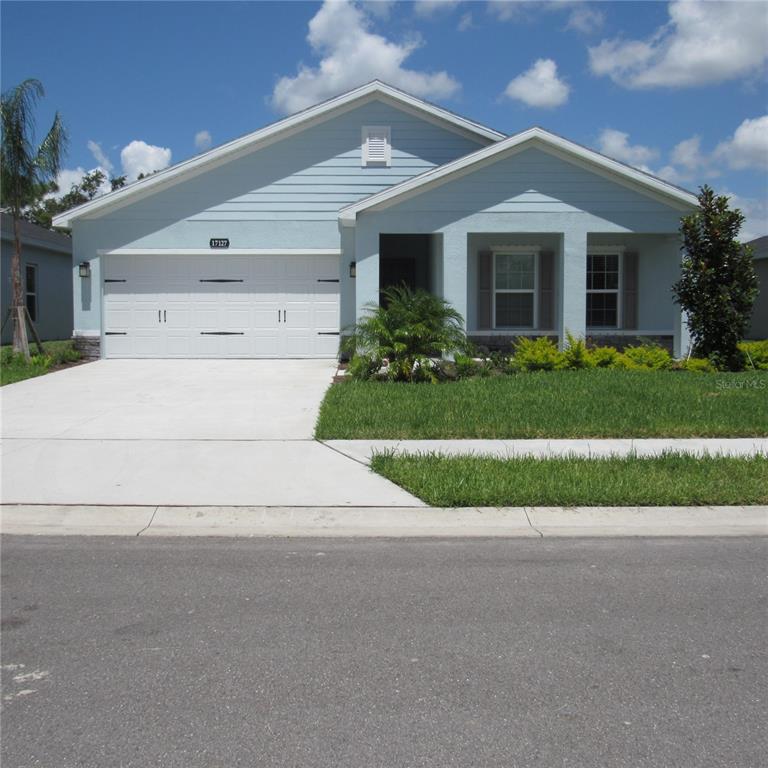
pixel 568 150
pixel 279 130
pixel 221 251
pixel 513 332
pixel 535 249
pixel 606 250
pixel 496 251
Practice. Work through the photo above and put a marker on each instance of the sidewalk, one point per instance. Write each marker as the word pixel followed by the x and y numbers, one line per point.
pixel 362 450
pixel 389 522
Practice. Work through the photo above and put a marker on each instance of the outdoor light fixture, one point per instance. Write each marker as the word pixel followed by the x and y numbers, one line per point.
pixel 85 269
pixel 353 269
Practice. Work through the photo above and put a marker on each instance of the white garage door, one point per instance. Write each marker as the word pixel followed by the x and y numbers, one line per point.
pixel 221 306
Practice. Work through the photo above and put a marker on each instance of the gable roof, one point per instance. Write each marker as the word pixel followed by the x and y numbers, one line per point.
pixel 275 131
pixel 533 137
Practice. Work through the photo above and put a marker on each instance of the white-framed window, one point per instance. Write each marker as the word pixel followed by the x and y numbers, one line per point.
pixel 515 284
pixel 377 146
pixel 603 287
pixel 30 289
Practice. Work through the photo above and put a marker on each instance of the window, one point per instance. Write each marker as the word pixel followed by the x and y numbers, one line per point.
pixel 514 289
pixel 377 147
pixel 602 290
pixel 30 287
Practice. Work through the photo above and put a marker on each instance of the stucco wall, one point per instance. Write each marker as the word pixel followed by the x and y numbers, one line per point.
pixel 759 326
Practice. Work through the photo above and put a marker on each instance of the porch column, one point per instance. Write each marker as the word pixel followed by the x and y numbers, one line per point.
pixel 681 340
pixel 367 270
pixel 455 271
pixel 572 286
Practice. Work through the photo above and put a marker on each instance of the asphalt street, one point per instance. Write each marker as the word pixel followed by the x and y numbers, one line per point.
pixel 273 652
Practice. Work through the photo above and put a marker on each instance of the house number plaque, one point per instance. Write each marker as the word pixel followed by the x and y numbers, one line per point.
pixel 219 242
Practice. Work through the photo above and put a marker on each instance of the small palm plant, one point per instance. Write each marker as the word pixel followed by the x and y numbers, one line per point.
pixel 402 337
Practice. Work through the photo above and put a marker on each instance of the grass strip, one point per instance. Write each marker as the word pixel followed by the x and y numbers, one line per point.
pixel 672 479
pixel 562 404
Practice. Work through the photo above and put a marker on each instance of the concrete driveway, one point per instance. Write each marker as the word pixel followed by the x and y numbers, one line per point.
pixel 180 432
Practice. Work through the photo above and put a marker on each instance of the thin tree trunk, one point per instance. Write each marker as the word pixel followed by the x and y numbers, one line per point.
pixel 20 342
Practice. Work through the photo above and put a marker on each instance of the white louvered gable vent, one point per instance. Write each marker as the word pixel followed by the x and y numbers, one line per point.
pixel 377 147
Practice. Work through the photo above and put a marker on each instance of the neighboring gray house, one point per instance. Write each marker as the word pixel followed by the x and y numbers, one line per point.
pixel 46 278
pixel 759 326
pixel 272 244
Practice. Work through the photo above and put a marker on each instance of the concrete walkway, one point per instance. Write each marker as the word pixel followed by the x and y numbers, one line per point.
pixel 527 522
pixel 362 450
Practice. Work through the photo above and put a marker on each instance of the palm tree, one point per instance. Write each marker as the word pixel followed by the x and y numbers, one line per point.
pixel 27 172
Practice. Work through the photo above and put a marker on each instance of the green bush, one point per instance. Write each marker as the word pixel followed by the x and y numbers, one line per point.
pixel 539 354
pixel 603 357
pixel 646 357
pixel 397 340
pixel 696 365
pixel 756 353
pixel 466 367
pixel 576 354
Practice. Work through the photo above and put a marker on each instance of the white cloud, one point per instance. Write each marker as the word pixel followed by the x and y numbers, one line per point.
pixel 69 177
pixel 140 157
pixel 748 147
pixel 616 144
pixel 431 7
pixel 100 156
pixel 465 22
pixel 351 55
pixel 203 140
pixel 378 8
pixel 703 42
pixel 586 19
pixel 756 212
pixel 506 10
pixel 539 86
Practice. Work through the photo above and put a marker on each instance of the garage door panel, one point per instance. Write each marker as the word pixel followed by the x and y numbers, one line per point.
pixel 221 306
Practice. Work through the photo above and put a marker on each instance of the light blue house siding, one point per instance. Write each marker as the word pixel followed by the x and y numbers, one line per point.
pixel 286 195
pixel 50 253
pixel 539 198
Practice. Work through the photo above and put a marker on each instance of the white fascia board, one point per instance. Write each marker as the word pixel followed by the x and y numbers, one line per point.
pixel 276 131
pixel 556 145
pixel 220 251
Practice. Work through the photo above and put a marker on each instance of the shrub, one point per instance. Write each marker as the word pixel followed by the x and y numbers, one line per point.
pixel 576 354
pixel 603 357
pixel 466 367
pixel 756 353
pixel 397 339
pixel 537 355
pixel 646 357
pixel 696 365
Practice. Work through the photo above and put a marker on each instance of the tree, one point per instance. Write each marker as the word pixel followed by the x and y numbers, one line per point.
pixel 718 285
pixel 26 171
pixel 89 187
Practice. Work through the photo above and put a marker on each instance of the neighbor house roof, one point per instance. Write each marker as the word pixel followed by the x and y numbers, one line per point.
pixel 533 137
pixel 32 234
pixel 759 247
pixel 273 132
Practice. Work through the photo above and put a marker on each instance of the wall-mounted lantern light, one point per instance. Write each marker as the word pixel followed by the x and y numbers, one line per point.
pixel 85 269
pixel 353 269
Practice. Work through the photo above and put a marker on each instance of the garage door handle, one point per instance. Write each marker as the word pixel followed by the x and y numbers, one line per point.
pixel 158 316
pixel 285 315
pixel 165 319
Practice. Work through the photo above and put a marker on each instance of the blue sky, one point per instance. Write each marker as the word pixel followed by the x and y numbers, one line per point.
pixel 676 88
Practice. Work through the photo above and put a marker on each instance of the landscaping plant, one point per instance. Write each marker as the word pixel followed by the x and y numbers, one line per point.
pixel 718 285
pixel 403 339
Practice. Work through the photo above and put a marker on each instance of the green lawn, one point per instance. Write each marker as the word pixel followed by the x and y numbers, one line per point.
pixel 14 368
pixel 669 480
pixel 595 403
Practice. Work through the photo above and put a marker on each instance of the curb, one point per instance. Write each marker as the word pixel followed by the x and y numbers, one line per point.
pixel 386 522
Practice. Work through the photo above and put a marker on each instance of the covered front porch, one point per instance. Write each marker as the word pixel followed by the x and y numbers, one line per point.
pixel 607 287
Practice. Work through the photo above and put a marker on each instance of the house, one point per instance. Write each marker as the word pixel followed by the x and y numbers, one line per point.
pixel 273 244
pixel 759 326
pixel 46 277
